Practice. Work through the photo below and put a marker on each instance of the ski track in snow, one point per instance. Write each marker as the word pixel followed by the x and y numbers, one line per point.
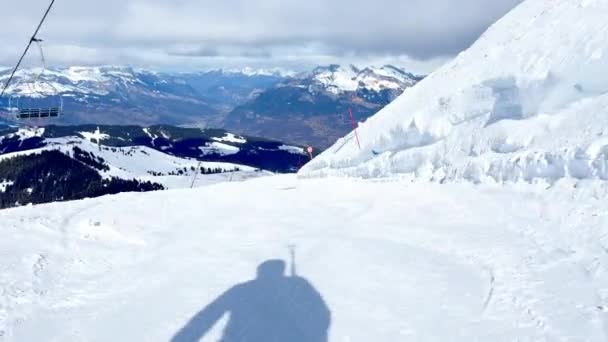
pixel 481 263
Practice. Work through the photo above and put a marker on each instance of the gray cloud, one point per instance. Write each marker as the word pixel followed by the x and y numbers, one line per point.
pixel 195 32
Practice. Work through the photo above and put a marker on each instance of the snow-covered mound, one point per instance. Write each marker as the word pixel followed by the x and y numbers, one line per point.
pixel 528 101
pixel 181 264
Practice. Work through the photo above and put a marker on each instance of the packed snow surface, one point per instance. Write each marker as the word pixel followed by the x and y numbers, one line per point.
pixel 483 263
pixel 526 102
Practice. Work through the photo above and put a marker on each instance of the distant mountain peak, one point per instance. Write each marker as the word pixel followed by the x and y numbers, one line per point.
pixel 312 108
pixel 339 79
pixel 253 72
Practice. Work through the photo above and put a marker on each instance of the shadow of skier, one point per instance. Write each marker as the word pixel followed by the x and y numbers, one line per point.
pixel 271 308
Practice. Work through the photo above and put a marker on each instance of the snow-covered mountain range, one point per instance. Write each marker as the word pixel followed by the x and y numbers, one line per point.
pixel 314 107
pixel 125 95
pixel 105 80
pixel 100 81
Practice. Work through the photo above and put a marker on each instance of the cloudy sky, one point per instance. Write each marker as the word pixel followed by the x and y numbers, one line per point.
pixel 294 34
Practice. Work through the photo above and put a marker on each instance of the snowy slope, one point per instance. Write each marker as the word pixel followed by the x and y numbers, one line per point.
pixel 526 102
pixel 482 263
pixel 137 161
pixel 210 145
pixel 144 163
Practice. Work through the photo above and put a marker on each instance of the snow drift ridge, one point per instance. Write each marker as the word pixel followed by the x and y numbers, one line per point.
pixel 526 102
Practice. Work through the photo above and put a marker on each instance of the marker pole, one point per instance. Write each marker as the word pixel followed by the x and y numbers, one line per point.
pixel 352 120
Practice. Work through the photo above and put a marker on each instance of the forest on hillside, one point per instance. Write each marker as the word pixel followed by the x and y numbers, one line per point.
pixel 52 176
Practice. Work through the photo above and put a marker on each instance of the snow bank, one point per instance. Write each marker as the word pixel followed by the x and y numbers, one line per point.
pixel 526 102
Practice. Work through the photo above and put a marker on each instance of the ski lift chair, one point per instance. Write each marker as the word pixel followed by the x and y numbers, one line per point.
pixel 43 100
pixel 32 112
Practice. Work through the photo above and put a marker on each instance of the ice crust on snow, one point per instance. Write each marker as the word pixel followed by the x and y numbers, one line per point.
pixel 526 102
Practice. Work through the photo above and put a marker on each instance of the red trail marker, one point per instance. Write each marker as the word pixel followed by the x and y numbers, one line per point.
pixel 352 120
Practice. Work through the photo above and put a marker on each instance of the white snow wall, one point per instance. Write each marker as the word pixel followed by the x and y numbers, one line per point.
pixel 528 101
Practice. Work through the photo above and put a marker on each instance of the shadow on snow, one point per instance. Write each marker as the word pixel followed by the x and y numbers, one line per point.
pixel 271 308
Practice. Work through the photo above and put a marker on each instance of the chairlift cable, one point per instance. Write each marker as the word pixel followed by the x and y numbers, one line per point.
pixel 32 40
pixel 33 86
